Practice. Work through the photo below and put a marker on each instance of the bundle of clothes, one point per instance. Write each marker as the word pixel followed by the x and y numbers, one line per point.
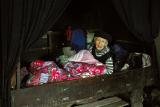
pixel 80 65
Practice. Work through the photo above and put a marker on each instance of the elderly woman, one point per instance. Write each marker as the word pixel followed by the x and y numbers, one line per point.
pixel 101 51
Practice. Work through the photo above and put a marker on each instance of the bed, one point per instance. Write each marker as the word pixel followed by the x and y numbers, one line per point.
pixel 81 91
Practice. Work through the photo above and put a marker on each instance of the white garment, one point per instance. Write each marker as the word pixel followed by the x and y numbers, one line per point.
pixel 146 60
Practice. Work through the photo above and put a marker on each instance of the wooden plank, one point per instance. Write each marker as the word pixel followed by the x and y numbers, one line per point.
pixel 117 104
pixel 49 35
pixel 102 102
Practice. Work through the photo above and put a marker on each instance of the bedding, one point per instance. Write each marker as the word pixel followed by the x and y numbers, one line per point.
pixel 81 65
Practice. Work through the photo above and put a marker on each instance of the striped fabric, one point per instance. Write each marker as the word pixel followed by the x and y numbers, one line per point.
pixel 108 62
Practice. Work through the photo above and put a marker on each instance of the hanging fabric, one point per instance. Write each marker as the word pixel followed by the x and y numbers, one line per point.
pixel 22 23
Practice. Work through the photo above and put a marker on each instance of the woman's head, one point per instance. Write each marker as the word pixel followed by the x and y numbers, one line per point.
pixel 101 39
pixel 100 43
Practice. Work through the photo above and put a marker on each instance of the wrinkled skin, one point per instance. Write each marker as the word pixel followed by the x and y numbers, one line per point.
pixel 100 43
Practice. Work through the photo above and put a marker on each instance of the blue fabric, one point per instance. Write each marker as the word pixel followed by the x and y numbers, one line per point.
pixel 119 52
pixel 78 40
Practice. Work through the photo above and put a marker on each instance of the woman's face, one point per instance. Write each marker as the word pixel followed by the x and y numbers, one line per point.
pixel 100 43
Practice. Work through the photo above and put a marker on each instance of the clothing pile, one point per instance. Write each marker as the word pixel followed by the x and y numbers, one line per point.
pixel 81 65
pixel 45 72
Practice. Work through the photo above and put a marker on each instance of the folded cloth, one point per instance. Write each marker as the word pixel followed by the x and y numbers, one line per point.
pixel 84 56
pixel 83 70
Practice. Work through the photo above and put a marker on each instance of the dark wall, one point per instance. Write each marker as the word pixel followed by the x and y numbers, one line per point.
pixel 97 14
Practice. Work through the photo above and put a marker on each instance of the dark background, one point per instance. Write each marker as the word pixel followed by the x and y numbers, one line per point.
pixel 96 14
pixel 85 14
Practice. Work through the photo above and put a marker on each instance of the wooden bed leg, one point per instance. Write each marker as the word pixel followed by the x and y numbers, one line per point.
pixel 136 98
pixel 18 74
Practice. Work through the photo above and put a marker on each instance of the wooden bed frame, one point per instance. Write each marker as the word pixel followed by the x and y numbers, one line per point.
pixel 68 93
pixel 65 94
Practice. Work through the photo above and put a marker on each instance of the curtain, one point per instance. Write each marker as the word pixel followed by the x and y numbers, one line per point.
pixel 22 23
pixel 142 17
